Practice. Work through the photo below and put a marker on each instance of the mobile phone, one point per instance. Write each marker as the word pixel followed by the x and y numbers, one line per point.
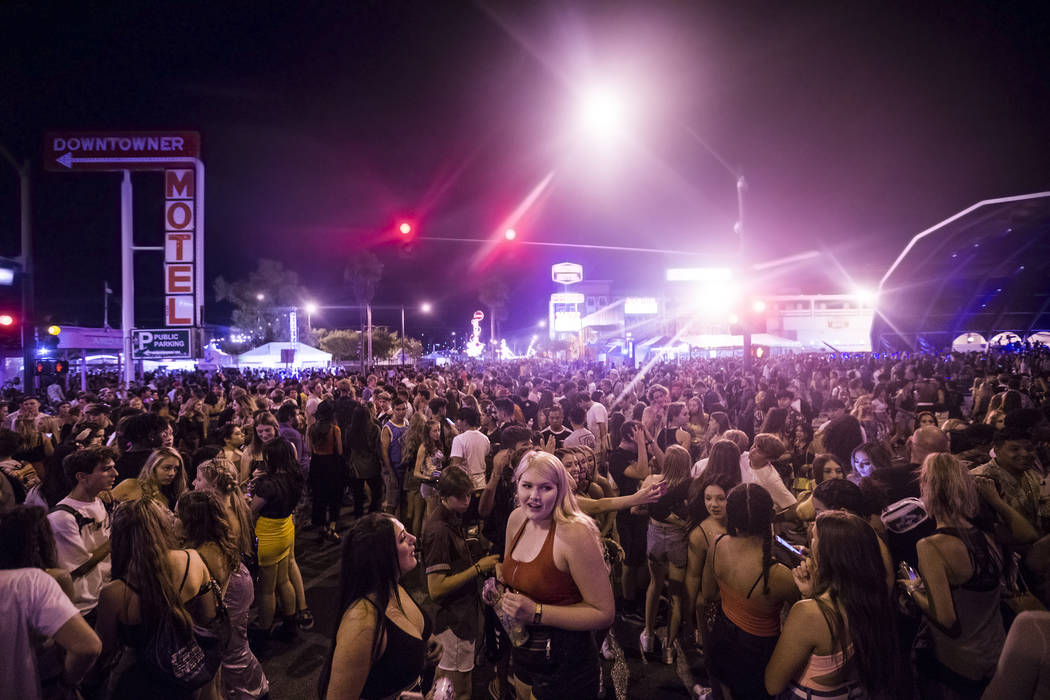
pixel 905 572
pixel 793 552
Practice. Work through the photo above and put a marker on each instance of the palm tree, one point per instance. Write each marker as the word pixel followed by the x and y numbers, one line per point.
pixel 363 272
pixel 494 293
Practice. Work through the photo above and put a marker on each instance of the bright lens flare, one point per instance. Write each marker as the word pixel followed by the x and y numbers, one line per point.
pixel 405 228
pixel 510 234
pixel 602 114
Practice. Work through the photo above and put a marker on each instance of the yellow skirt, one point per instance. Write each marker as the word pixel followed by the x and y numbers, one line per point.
pixel 276 539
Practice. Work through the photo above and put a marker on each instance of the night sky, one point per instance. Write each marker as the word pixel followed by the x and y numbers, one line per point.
pixel 857 124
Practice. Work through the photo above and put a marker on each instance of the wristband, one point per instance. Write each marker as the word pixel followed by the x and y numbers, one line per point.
pixel 478 570
pixel 537 618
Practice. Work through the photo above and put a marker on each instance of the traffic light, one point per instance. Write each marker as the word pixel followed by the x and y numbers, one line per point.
pixel 406 237
pixel 42 367
pixel 10 331
pixel 61 367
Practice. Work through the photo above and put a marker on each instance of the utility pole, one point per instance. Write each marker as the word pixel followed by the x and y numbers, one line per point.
pixel 25 260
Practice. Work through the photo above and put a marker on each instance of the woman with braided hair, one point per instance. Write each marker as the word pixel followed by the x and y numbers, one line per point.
pixel 242 674
pixel 753 588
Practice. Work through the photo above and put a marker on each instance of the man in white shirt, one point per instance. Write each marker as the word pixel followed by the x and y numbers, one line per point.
pixel 580 435
pixel 33 606
pixel 598 419
pixel 470 447
pixel 756 466
pixel 80 524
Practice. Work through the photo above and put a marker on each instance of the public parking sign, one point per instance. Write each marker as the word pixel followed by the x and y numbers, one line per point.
pixel 161 343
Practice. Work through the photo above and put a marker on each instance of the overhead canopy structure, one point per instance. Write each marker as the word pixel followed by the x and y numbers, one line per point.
pixel 269 355
pixel 985 270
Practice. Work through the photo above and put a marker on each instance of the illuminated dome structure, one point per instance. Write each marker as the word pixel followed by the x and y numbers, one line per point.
pixel 982 272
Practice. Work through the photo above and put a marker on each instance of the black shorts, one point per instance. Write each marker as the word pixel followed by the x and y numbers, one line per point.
pixel 570 670
pixel 633 531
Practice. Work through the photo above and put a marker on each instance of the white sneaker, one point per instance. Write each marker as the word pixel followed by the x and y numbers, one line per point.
pixel 645 641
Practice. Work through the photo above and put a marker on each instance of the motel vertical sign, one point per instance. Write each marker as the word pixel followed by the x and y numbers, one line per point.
pixel 177 155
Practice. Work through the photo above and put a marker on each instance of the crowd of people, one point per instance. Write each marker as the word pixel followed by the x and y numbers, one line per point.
pixel 807 526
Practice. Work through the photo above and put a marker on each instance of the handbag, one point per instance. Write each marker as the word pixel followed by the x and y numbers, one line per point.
pixel 188 659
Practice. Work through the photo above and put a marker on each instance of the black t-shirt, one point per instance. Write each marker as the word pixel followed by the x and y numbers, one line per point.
pixel 503 504
pixel 619 460
pixel 281 493
pixel 674 501
pixel 887 486
pixel 130 463
pixel 559 437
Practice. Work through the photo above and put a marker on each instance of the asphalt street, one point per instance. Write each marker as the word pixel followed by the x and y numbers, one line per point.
pixel 293 667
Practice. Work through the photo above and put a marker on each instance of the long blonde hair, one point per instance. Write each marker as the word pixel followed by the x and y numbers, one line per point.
pixel 947 487
pixel 148 479
pixel 566 509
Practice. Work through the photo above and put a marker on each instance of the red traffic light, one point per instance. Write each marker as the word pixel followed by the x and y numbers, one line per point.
pixel 61 367
pixel 405 228
pixel 7 320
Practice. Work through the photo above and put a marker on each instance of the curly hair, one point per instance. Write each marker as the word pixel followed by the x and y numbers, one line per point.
pixel 221 475
pixel 26 541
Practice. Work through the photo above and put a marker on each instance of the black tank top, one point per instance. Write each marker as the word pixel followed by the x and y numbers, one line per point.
pixel 401 662
pixel 987 568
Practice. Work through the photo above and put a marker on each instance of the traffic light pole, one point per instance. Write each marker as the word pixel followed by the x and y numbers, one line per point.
pixel 28 299
pixel 127 277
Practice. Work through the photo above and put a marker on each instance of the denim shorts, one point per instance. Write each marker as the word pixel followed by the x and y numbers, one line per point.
pixel 668 542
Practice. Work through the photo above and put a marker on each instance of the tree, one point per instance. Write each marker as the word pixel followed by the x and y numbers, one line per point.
pixel 363 273
pixel 345 344
pixel 263 300
pixel 494 293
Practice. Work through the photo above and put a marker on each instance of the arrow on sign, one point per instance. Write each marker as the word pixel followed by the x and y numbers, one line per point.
pixel 67 160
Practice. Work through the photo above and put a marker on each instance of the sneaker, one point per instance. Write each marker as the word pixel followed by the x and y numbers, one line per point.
pixel 645 642
pixel 608 652
pixel 305 619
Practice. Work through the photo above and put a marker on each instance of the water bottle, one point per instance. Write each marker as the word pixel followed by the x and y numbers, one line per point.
pixel 443 689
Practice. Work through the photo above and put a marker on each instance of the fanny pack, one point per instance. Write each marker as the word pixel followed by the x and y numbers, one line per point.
pixel 904 515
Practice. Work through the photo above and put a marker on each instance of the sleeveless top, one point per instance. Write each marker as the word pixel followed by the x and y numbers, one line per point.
pixel 402 660
pixel 396 433
pixel 975 651
pixel 823 665
pixel 540 579
pixel 752 616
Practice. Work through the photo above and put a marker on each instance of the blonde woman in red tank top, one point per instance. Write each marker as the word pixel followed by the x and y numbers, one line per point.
pixel 559 584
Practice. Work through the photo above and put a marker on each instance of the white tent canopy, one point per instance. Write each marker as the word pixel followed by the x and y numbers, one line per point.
pixel 737 341
pixel 269 355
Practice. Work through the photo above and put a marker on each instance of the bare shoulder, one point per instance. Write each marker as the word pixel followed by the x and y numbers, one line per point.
pixel 361 614
pixel 574 534
pixel 517 516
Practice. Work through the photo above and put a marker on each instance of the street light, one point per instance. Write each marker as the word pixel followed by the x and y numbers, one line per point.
pixel 260 296
pixel 425 307
pixel 311 309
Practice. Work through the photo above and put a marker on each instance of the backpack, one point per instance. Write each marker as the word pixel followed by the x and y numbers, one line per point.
pixel 82 520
